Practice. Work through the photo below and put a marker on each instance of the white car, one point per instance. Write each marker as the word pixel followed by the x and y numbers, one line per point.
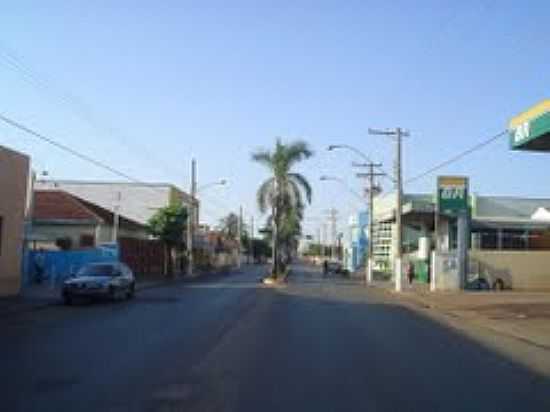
pixel 112 280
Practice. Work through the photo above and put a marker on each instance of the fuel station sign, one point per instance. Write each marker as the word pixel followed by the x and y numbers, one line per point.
pixel 452 194
pixel 530 130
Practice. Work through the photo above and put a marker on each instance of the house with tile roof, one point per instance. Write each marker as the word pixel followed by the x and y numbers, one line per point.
pixel 63 220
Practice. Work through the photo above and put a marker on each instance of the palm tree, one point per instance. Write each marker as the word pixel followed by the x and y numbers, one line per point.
pixel 283 194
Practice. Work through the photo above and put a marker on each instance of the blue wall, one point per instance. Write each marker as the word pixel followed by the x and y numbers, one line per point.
pixel 58 265
pixel 359 242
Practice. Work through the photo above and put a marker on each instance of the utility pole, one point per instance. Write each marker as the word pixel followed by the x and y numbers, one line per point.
pixel 240 235
pixel 116 217
pixel 332 218
pixel 319 241
pixel 191 218
pixel 324 248
pixel 251 240
pixel 371 188
pixel 398 134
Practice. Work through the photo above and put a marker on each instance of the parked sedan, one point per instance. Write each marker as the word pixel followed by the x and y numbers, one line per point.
pixel 109 280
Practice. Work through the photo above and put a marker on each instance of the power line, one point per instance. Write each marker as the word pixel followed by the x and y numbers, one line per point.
pixel 67 149
pixel 78 106
pixel 457 157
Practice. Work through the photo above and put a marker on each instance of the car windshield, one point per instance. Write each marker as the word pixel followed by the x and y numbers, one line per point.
pixel 98 270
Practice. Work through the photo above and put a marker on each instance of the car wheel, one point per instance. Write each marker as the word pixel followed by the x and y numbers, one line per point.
pixel 67 299
pixel 131 291
pixel 112 293
pixel 498 285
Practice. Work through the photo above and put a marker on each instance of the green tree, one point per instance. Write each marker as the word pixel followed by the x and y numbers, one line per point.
pixel 283 193
pixel 229 226
pixel 169 224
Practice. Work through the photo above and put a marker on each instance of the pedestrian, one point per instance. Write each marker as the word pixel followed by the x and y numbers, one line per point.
pixel 39 266
pixel 325 267
pixel 410 272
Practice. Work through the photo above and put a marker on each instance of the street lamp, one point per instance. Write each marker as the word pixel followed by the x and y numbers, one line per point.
pixel 221 182
pixel 342 181
pixel 348 147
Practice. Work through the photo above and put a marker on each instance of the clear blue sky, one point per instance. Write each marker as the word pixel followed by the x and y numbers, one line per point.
pixel 160 83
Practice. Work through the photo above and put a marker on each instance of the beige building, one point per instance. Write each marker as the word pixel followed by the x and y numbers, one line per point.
pixel 509 237
pixel 14 187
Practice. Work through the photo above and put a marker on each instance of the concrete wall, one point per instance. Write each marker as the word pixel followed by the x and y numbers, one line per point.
pixel 101 233
pixel 444 271
pixel 528 270
pixel 14 181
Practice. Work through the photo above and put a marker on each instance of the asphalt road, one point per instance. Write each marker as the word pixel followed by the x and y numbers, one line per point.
pixel 228 343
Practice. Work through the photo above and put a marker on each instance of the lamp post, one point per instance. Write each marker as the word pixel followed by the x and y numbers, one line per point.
pixel 192 215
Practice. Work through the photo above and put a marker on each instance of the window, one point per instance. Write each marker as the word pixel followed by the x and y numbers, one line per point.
pixel 489 239
pixel 87 240
pixel 514 239
pixel 99 269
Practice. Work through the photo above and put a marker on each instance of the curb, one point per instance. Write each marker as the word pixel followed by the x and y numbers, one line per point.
pixel 28 307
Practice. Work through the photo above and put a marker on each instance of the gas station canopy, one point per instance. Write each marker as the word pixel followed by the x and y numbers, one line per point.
pixel 530 130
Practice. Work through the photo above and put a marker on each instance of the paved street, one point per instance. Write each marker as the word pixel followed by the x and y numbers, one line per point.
pixel 228 343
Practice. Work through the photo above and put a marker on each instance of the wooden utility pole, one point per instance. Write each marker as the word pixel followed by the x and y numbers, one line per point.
pixel 398 134
pixel 371 188
pixel 191 218
pixel 240 235
pixel 251 240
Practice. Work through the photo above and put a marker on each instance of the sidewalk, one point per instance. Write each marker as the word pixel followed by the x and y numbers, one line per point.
pixel 37 297
pixel 522 315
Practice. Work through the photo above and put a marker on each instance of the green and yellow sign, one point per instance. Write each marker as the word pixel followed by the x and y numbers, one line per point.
pixel 452 194
pixel 530 130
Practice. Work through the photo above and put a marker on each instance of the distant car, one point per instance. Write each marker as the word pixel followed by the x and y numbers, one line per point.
pixel 100 280
pixel 334 267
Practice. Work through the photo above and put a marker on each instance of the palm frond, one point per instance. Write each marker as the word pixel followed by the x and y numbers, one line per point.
pixel 265 194
pixel 296 152
pixel 263 157
pixel 303 183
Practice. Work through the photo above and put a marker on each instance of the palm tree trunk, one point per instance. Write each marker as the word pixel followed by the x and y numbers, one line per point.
pixel 274 237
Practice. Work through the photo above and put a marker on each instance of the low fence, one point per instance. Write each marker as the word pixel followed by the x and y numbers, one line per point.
pixel 55 266
pixel 144 257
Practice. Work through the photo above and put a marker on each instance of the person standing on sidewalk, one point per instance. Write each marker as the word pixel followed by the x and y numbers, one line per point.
pixel 410 272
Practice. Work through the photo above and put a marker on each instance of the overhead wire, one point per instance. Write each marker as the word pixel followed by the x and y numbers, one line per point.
pixel 456 157
pixel 89 159
pixel 79 107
